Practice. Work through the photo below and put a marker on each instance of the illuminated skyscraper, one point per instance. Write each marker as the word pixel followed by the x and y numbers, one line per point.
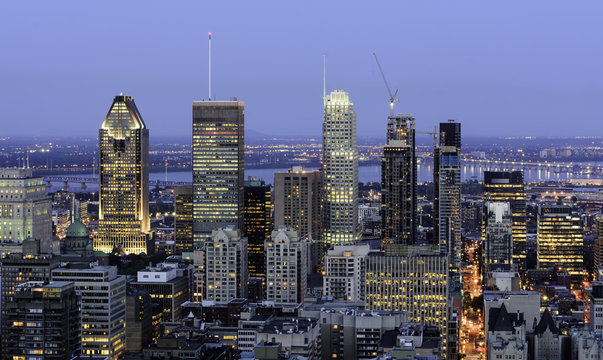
pixel 560 239
pixel 508 187
pixel 123 187
pixel 340 170
pixel 399 182
pixel 258 224
pixel 218 166
pixel 183 221
pixel 448 196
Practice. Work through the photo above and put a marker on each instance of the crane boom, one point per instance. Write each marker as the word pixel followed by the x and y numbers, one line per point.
pixel 392 97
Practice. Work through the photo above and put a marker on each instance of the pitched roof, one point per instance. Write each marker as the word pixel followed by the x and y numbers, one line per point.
pixel 546 322
pixel 500 320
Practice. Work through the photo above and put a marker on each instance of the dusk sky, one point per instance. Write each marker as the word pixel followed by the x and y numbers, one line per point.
pixel 500 68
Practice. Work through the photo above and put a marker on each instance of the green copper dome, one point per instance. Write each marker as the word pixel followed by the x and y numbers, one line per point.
pixel 77 229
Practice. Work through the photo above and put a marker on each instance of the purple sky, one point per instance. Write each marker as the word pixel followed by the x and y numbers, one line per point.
pixel 501 68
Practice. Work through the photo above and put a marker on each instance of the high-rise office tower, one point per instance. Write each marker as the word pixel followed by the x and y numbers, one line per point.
pixel 225 266
pixel 498 243
pixel 218 166
pixel 447 199
pixel 340 170
pixel 297 196
pixel 399 182
pixel 286 271
pixel 297 199
pixel 183 221
pixel 508 187
pixel 560 239
pixel 102 295
pixel 258 223
pixel 44 322
pixel 25 209
pixel 123 186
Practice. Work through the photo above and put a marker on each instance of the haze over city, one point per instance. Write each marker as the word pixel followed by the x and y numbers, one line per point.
pixel 505 69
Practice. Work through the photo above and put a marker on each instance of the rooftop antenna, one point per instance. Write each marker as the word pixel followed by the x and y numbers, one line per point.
pixel 324 79
pixel 28 158
pixel 209 63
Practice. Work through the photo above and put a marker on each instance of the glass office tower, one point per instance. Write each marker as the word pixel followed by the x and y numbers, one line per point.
pixel 560 239
pixel 502 186
pixel 123 183
pixel 218 166
pixel 399 182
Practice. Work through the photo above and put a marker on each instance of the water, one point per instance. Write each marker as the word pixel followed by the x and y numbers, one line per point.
pixel 367 173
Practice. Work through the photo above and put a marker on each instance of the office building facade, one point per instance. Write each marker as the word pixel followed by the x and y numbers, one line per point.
pixel 560 239
pixel 103 328
pixel 498 244
pixel 447 198
pixel 25 209
pixel 399 182
pixel 166 287
pixel 44 322
pixel 258 224
pixel 123 185
pixel 183 220
pixel 286 271
pixel 339 170
pixel 502 186
pixel 415 282
pixel 297 196
pixel 218 166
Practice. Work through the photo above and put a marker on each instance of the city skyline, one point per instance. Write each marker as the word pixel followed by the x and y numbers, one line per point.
pixel 455 71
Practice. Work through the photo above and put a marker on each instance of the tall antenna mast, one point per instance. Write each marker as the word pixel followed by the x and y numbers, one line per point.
pixel 209 63
pixel 324 79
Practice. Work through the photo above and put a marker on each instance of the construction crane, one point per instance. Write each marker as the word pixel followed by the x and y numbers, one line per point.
pixel 392 97
pixel 435 134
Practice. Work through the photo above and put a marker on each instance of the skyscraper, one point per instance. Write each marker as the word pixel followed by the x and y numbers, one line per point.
pixel 560 239
pixel 123 187
pixel 258 224
pixel 508 187
pixel 340 170
pixel 498 243
pixel 25 209
pixel 297 201
pixel 399 182
pixel 448 196
pixel 218 166
pixel 183 221
pixel 297 198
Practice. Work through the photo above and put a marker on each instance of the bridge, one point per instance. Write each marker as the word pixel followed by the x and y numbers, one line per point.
pixel 560 167
pixel 83 181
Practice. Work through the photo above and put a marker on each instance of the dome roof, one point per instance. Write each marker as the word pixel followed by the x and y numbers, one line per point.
pixel 77 229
